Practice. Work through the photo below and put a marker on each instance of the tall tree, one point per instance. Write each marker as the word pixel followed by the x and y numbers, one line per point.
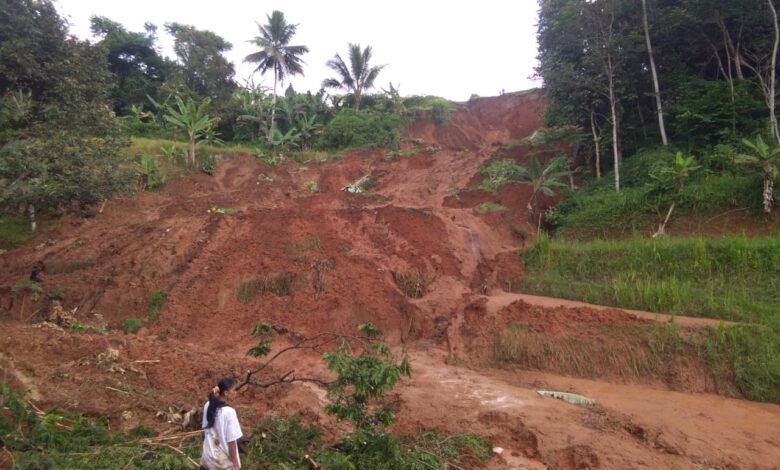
pixel 604 45
pixel 358 76
pixel 204 70
pixel 276 53
pixel 656 86
pixel 138 68
pixel 58 137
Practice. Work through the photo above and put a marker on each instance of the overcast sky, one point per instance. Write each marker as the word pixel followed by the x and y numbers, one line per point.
pixel 450 49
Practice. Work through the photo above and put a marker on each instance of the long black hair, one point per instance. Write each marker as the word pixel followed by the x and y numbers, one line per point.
pixel 214 402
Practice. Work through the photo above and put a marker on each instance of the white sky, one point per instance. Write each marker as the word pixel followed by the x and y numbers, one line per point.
pixel 450 49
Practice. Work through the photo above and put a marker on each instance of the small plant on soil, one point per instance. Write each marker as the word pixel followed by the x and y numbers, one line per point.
pixel 221 210
pixel 155 302
pixel 311 186
pixel 488 207
pixel 280 285
pixel 412 283
pixel 312 244
pixel 67 267
pixel 131 325
pixel 263 178
pixel 82 328
pixel 25 284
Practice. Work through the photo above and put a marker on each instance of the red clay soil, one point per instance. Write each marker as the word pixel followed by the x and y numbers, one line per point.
pixel 341 253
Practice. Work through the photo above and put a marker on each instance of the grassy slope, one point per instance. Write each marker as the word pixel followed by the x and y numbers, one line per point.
pixel 730 278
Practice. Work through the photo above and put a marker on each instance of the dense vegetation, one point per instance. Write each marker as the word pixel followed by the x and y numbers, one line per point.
pixel 631 74
pixel 68 108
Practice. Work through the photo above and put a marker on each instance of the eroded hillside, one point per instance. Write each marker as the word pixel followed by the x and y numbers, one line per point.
pixel 412 254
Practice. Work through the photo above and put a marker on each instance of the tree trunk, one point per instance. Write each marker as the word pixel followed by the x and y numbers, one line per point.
pixel 596 144
pixel 736 57
pixel 191 152
pixel 662 227
pixel 613 110
pixel 769 186
pixel 773 73
pixel 273 111
pixel 358 93
pixel 31 214
pixel 656 87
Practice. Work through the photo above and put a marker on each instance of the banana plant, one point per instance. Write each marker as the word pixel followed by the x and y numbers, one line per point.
pixel 150 176
pixel 308 128
pixel 191 117
pixel 284 142
pixel 766 158
pixel 545 180
pixel 674 175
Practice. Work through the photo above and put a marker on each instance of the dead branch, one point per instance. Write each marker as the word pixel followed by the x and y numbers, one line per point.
pixel 288 378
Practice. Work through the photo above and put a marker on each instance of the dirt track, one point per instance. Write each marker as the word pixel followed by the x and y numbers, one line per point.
pixel 342 252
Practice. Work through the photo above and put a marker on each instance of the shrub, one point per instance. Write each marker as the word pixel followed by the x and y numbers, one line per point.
pixel 487 207
pixel 131 325
pixel 155 302
pixel 440 111
pixel 278 284
pixel 361 129
pixel 412 283
pixel 501 172
pixel 14 231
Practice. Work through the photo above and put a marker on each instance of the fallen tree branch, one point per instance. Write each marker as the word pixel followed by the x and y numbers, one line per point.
pixel 320 340
pixel 289 378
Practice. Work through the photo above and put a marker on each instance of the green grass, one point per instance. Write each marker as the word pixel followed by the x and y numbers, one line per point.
pixel 14 231
pixel 131 325
pixel 731 278
pixel 139 145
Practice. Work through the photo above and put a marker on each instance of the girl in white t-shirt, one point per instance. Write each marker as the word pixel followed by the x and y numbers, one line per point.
pixel 220 429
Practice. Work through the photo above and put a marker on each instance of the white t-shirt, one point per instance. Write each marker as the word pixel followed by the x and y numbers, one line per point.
pixel 226 429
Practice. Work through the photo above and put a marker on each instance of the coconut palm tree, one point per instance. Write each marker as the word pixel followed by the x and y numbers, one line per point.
pixel 765 157
pixel 276 53
pixel 356 77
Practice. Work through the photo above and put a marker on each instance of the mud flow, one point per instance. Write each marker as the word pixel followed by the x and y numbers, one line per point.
pixel 415 255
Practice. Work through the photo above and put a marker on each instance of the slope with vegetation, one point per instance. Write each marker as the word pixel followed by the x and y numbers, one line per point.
pixel 284 221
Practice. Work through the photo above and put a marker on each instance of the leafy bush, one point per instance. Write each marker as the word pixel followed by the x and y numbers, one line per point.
pixel 57 440
pixel 440 111
pixel 131 325
pixel 501 172
pixel 361 129
pixel 150 175
pixel 14 231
